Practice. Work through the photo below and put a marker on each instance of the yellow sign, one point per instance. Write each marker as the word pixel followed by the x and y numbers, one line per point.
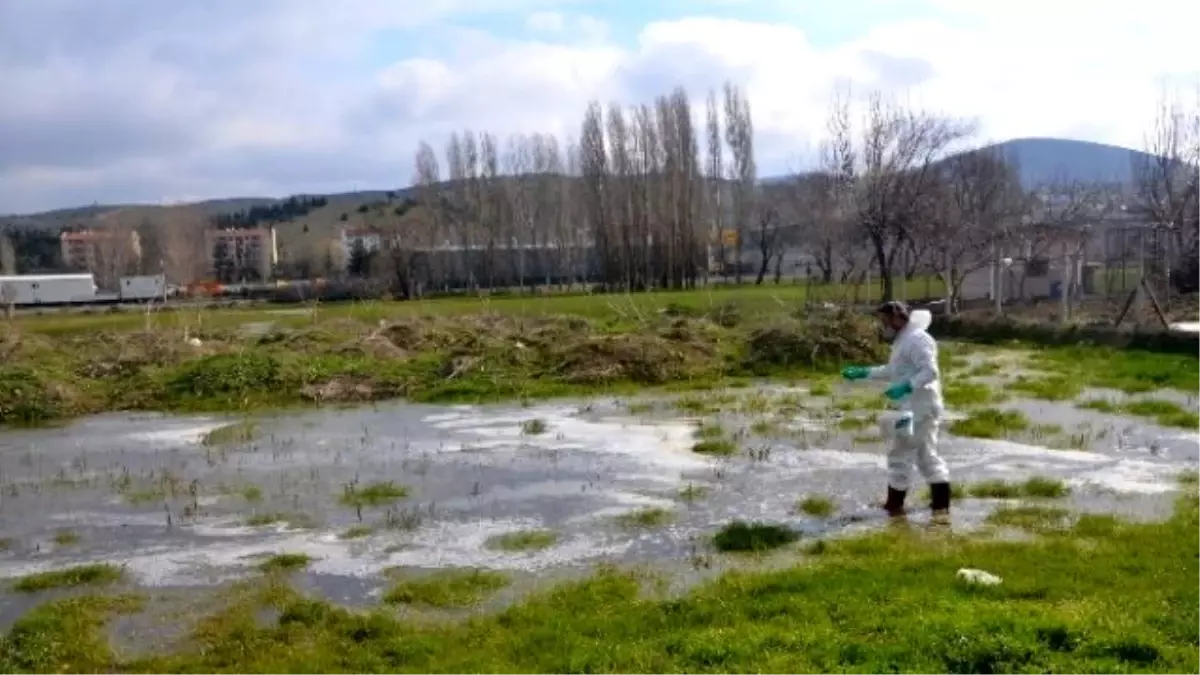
pixel 726 237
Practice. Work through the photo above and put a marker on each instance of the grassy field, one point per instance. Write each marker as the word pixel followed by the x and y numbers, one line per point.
pixel 1086 594
pixel 1080 593
pixel 56 367
pixel 768 298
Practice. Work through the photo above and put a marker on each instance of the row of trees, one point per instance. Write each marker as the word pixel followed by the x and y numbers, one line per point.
pixel 635 204
pixel 658 195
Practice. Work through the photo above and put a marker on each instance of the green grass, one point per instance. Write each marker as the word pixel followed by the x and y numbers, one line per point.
pixel 451 588
pixel 1032 517
pixel 375 494
pixel 1035 487
pixel 715 446
pixel 65 636
pixel 271 518
pixel 453 351
pixel 743 537
pixel 1130 370
pixel 763 427
pixel 1164 413
pixel 524 540
pixel 814 505
pixel 356 532
pixel 1093 597
pixel 985 369
pixel 961 394
pixel 534 427
pixel 820 388
pixel 285 562
pixel 96 574
pixel 252 494
pixel 237 433
pixel 693 492
pixel 709 431
pixel 646 517
pixel 1189 478
pixel 1100 405
pixel 1053 388
pixel 990 423
pixel 66 538
pixel 854 423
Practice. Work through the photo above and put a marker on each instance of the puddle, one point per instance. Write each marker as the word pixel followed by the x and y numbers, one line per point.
pixel 475 472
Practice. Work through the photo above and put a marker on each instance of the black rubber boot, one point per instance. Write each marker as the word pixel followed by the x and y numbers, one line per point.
pixel 939 498
pixel 895 502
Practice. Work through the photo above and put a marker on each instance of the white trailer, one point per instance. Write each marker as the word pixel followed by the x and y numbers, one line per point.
pixel 143 288
pixel 46 289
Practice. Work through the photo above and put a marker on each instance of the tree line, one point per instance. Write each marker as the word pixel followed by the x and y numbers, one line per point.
pixel 663 195
pixel 648 197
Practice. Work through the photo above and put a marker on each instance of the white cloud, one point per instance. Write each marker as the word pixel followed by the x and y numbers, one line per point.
pixel 547 22
pixel 273 96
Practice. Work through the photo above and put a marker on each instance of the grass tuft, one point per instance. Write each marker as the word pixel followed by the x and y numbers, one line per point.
pixel 373 494
pixel 450 588
pixel 96 574
pixel 647 517
pixel 1032 517
pixel 990 423
pixel 285 562
pixel 356 532
pixel 1053 388
pixel 524 540
pixel 743 537
pixel 237 433
pixel 715 446
pixel 813 505
pixel 964 394
pixel 534 427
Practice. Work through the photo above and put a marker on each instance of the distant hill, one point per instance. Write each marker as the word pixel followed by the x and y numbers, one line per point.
pixel 1046 160
pixel 1040 160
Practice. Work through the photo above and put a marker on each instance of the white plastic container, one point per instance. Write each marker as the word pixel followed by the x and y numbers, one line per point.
pixel 895 424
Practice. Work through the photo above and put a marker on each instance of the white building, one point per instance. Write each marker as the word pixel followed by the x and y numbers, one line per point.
pixel 352 239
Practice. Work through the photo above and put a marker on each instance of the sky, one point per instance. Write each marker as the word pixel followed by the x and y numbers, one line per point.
pixel 146 101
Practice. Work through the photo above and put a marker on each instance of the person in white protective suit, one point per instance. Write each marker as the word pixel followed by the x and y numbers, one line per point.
pixel 914 387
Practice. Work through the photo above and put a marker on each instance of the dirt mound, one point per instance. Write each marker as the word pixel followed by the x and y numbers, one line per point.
pixel 640 358
pixel 342 390
pixel 26 398
pixel 820 340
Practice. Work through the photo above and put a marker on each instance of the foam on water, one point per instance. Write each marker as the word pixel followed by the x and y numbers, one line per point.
pixel 444 544
pixel 175 436
pixel 1130 476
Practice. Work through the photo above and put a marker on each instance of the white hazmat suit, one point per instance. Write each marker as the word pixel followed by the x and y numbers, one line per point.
pixel 914 360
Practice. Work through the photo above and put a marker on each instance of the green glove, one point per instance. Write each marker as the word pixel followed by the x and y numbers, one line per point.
pixel 898 391
pixel 853 373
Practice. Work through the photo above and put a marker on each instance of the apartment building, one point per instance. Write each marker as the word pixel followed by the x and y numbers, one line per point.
pixel 237 255
pixel 353 238
pixel 97 250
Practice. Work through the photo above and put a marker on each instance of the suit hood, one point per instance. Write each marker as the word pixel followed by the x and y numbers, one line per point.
pixel 920 319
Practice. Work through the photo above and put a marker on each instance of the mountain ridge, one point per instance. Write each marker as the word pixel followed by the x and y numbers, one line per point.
pixel 1040 160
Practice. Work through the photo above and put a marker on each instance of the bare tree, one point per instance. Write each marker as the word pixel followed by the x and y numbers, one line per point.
pixel 739 134
pixel 429 191
pixel 1167 182
pixel 185 258
pixel 969 216
pixel 768 231
pixel 8 255
pixel 899 149
pixel 594 167
pixel 715 175
pixel 1058 206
